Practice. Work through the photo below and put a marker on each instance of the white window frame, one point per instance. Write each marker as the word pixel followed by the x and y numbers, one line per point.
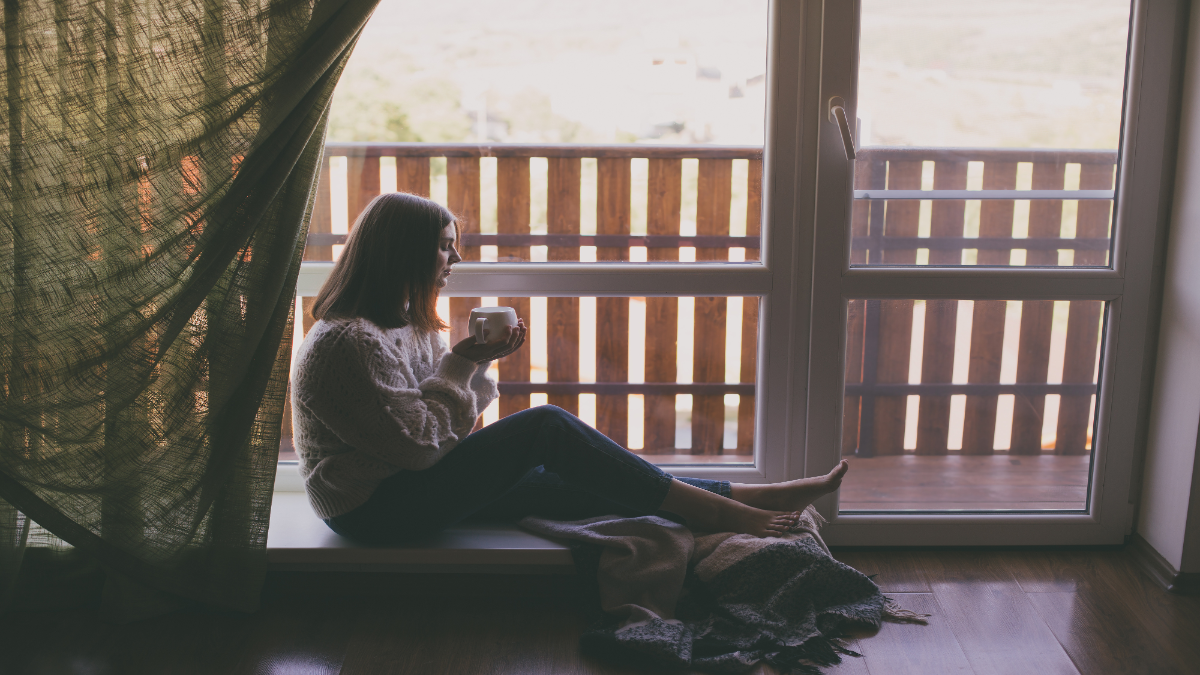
pixel 812 51
pixel 1143 201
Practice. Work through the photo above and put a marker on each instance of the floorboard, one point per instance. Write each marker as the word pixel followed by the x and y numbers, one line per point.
pixel 1036 611
pixel 998 627
pixel 299 637
pixel 897 571
pixel 910 649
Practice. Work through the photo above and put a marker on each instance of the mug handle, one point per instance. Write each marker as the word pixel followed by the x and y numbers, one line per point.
pixel 479 324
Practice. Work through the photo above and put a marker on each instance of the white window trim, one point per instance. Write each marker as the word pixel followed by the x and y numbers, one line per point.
pixel 1144 200
pixel 803 205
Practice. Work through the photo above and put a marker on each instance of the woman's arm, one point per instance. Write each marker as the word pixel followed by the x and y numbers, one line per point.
pixel 369 398
pixel 481 382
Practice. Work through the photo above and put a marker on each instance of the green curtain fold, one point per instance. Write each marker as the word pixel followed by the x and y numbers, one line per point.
pixel 157 164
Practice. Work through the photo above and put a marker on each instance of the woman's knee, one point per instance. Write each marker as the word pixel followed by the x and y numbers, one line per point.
pixel 552 413
pixel 552 417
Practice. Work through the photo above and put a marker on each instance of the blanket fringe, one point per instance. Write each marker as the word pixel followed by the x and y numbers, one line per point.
pixel 816 516
pixel 894 613
pixel 809 657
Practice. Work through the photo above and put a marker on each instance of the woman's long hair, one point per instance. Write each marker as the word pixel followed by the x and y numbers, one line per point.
pixel 386 272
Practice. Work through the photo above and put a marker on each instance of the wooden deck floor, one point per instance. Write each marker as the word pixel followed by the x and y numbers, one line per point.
pixel 994 612
pixel 966 483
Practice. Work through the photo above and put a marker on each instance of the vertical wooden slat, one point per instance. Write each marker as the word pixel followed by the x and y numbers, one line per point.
pixel 851 412
pixel 1079 367
pixel 462 198
pixel 412 175
pixel 362 185
pixel 713 193
pixel 996 215
pixel 749 365
pixel 612 314
pixel 941 316
pixel 512 217
pixel 1037 316
pixel 937 366
pixel 948 216
pixel 754 204
pixel 1083 320
pixel 1094 214
pixel 562 330
pixel 987 340
pixel 871 176
pixel 860 209
pixel 902 219
pixel 987 323
pixel 1045 215
pixel 321 221
pixel 664 200
pixel 1033 360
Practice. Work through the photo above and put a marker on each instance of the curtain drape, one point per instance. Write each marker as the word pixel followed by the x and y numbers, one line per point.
pixel 157 163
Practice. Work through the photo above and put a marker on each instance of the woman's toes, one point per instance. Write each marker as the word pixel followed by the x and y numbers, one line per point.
pixel 841 469
pixel 834 478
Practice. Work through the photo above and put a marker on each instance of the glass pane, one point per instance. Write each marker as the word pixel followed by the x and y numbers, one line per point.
pixel 995 99
pixel 961 405
pixel 558 131
pixel 678 396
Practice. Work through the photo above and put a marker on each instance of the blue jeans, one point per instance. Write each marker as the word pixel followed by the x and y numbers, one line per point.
pixel 542 462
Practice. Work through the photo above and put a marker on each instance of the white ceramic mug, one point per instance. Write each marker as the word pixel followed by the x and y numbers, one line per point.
pixel 492 320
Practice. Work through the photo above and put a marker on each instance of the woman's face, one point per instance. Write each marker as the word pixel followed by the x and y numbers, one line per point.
pixel 447 254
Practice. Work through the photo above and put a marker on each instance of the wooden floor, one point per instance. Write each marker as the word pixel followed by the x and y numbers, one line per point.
pixel 994 611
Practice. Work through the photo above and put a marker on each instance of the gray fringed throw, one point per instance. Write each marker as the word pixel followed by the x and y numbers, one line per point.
pixel 718 603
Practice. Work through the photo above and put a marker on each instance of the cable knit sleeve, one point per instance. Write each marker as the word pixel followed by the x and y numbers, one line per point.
pixel 482 383
pixel 365 393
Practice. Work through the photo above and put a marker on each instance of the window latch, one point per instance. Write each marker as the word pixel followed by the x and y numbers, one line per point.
pixel 837 115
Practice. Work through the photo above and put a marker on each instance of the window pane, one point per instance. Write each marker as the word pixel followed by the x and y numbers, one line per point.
pixel 961 405
pixel 558 125
pixel 669 378
pixel 989 98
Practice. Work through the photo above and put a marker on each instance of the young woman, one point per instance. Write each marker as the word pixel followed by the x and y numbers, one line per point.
pixel 383 413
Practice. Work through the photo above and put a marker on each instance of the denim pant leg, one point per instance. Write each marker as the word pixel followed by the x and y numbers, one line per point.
pixel 490 463
pixel 545 494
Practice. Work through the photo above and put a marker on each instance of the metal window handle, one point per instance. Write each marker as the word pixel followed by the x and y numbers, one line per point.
pixel 837 115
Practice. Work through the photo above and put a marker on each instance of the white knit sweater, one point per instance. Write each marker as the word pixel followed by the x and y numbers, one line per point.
pixel 368 402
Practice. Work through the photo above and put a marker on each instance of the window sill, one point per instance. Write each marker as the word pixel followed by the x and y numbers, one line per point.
pixel 299 541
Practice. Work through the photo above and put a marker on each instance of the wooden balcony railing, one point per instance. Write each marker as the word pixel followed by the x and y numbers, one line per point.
pixel 880 339
pixel 663 240
pixel 880 343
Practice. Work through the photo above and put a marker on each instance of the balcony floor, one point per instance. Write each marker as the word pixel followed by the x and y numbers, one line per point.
pixel 966 483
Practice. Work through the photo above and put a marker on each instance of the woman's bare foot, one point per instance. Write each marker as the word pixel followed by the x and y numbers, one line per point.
pixel 793 495
pixel 749 520
pixel 709 512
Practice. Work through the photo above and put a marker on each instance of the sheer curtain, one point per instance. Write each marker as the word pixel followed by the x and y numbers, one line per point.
pixel 157 169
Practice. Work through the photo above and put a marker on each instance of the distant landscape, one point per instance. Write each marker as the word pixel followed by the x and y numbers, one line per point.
pixel 569 72
pixel 1008 73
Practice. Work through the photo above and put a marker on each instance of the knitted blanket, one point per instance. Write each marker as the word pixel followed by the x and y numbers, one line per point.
pixel 718 603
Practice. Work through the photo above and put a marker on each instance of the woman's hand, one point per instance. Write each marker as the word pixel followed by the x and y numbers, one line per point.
pixel 508 343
